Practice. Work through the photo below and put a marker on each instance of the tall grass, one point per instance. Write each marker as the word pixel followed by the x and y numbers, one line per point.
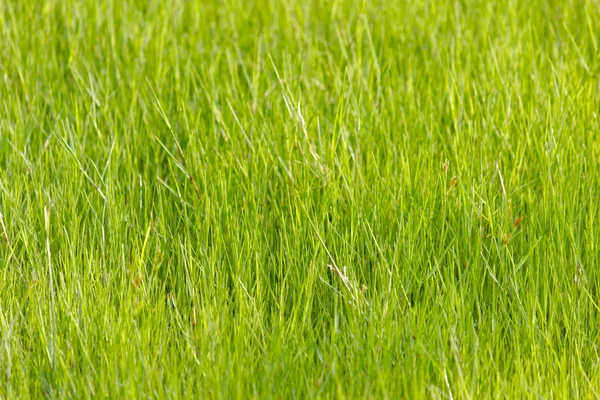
pixel 299 198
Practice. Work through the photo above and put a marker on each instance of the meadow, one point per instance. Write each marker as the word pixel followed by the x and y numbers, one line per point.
pixel 299 199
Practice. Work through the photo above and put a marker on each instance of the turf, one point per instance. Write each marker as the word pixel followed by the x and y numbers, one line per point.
pixel 299 198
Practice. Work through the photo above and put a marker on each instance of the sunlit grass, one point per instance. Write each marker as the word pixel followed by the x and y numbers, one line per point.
pixel 298 198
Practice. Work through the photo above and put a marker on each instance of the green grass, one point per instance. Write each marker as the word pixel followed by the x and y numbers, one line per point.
pixel 299 198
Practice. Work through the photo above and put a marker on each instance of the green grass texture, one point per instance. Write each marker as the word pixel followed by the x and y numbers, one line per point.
pixel 297 199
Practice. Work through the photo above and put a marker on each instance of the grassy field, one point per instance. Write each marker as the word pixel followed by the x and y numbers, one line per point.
pixel 299 198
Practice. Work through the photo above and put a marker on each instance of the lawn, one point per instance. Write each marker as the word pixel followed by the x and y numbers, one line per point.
pixel 299 199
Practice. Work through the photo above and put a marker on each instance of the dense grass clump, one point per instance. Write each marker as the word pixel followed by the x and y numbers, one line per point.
pixel 299 198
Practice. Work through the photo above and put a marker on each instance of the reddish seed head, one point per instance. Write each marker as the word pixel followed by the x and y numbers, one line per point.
pixel 518 221
pixel 137 280
pixel 453 181
pixel 446 165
